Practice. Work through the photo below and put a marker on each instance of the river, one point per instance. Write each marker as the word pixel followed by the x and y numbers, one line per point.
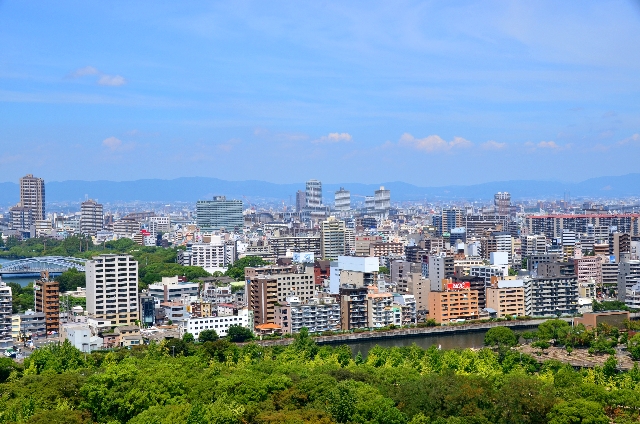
pixel 23 281
pixel 445 341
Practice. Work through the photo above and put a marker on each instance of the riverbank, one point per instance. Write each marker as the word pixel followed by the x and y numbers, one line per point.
pixel 373 336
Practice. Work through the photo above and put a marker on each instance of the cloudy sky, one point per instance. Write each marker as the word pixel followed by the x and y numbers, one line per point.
pixel 430 93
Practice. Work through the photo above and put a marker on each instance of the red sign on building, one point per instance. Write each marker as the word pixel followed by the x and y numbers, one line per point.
pixel 458 286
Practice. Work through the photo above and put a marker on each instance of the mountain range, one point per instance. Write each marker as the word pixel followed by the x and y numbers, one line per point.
pixel 190 189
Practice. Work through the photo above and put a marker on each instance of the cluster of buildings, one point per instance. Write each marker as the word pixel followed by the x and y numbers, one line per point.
pixel 348 265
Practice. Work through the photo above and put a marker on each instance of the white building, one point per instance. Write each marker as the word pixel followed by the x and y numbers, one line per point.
pixel 112 288
pixel 79 335
pixel 171 289
pixel 220 324
pixel 91 217
pixel 210 256
pixel 5 316
pixel 363 264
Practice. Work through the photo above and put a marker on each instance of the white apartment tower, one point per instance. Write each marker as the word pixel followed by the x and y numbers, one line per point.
pixel 382 200
pixel 313 194
pixel 343 200
pixel 91 217
pixel 112 288
pixel 5 316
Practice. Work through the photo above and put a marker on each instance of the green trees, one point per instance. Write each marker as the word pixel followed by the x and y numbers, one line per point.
pixel 578 411
pixel 208 336
pixel 500 337
pixel 239 334
pixel 236 271
pixel 554 329
pixel 71 280
pixel 633 346
pixel 222 382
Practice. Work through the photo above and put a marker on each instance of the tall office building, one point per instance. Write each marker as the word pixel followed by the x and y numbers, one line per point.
pixel 47 300
pixel 301 200
pixel 91 217
pixel 332 238
pixel 112 288
pixel 343 200
pixel 219 213
pixel 32 195
pixel 502 203
pixel 313 194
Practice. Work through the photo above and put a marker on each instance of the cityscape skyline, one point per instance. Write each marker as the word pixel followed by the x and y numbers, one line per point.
pixel 320 92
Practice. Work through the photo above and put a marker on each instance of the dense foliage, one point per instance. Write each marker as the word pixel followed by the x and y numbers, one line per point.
pixel 219 382
pixel 609 305
pixel 236 271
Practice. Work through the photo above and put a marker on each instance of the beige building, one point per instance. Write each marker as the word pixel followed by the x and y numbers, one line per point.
pixel 112 288
pixel 506 297
pixel 332 238
pixel 271 285
pixel 456 301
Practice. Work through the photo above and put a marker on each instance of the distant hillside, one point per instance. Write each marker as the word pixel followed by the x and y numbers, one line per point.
pixel 190 189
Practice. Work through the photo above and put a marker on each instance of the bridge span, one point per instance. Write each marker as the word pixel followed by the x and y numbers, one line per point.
pixel 31 267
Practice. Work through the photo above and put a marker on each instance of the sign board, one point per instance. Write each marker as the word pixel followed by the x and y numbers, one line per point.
pixel 303 257
pixel 458 286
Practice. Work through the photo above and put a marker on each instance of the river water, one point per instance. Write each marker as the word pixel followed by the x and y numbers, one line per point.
pixel 444 341
pixel 20 280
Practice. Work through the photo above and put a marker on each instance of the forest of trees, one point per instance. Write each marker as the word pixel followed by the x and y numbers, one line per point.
pixel 221 382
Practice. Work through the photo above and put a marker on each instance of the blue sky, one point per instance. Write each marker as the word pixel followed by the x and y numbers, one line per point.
pixel 431 93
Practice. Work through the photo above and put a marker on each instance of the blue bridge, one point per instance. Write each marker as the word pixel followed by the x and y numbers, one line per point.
pixel 31 267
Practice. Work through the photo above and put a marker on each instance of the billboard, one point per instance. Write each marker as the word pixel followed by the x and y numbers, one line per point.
pixel 303 257
pixel 458 286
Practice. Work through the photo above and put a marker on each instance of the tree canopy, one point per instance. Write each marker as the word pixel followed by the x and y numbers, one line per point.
pixel 236 271
pixel 221 382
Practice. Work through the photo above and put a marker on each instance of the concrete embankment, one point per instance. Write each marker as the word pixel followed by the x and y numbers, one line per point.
pixel 348 338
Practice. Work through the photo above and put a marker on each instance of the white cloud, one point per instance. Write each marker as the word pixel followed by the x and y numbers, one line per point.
pixel 229 144
pixel 103 79
pixel 112 80
pixel 334 138
pixel 433 143
pixel 548 145
pixel 112 143
pixel 87 70
pixel 493 145
pixel 635 137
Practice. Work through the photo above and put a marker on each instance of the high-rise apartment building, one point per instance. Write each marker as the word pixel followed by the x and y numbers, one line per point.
pixel 219 213
pixel 343 200
pixel 32 195
pixel 382 201
pixel 47 300
pixel 91 217
pixel 332 238
pixel 5 316
pixel 112 288
pixel 313 194
pixel 436 268
pixel 531 245
pixel 502 203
